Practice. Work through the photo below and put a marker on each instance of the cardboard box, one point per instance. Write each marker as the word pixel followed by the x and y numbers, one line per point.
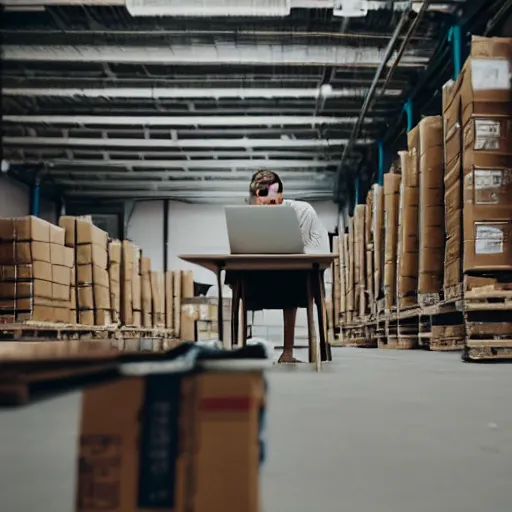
pixel 489 187
pixel 489 134
pixel 93 297
pixel 26 229
pixel 91 253
pixel 114 251
pixel 80 231
pixel 158 298
pixel 61 275
pixel 36 270
pixel 487 239
pixel 91 274
pixel 24 253
pixel 169 300
pixel 485 78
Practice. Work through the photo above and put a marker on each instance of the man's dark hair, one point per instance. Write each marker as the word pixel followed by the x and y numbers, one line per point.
pixel 264 179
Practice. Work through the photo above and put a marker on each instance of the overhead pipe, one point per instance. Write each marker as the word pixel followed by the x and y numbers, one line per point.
pixel 153 93
pixel 364 110
pixel 410 32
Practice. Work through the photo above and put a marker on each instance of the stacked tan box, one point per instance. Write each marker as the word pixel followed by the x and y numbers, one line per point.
pixel 158 299
pixel 359 259
pixel 431 211
pixel 453 190
pixel 369 245
pixel 114 275
pixel 408 257
pixel 137 287
pixel 378 239
pixel 350 271
pixel 35 271
pixel 187 326
pixel 91 274
pixel 336 272
pixel 391 203
pixel 169 300
pixel 343 249
pixel 486 112
pixel 147 296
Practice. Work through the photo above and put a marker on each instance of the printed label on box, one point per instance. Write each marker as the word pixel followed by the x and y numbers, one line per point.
pixel 490 74
pixel 487 135
pixel 488 179
pixel 489 240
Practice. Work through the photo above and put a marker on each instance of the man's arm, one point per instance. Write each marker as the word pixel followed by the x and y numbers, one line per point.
pixel 314 234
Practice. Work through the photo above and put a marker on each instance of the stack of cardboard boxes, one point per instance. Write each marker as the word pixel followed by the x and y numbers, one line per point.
pixel 378 240
pixel 486 120
pixel 408 257
pixel 147 302
pixel 478 155
pixel 359 260
pixel 158 298
pixel 391 208
pixel 35 271
pixel 92 286
pixel 369 247
pixel 114 274
pixel 431 211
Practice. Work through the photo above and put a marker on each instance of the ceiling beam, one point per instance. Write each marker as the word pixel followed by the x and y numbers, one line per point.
pixel 184 164
pixel 211 54
pixel 168 143
pixel 171 121
pixel 193 92
pixel 237 196
pixel 212 154
pixel 190 185
pixel 373 5
pixel 220 175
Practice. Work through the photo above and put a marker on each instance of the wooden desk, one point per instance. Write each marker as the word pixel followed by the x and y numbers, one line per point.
pixel 250 277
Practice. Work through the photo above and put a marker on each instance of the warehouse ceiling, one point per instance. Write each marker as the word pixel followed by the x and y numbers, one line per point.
pixel 185 99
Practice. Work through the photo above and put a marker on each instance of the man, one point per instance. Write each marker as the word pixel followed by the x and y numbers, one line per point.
pixel 266 188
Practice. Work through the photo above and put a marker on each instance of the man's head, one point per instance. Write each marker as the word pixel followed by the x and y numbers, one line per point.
pixel 266 188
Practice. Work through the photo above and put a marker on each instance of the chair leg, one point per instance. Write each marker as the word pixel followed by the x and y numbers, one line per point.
pixel 235 313
pixel 312 341
pixel 322 316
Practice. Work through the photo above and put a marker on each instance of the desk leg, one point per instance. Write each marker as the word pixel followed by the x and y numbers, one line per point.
pixel 235 315
pixel 321 313
pixel 327 344
pixel 312 339
pixel 220 316
pixel 244 313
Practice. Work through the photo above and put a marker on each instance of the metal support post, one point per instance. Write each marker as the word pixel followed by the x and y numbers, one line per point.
pixel 409 113
pixel 36 195
pixel 382 163
pixel 455 38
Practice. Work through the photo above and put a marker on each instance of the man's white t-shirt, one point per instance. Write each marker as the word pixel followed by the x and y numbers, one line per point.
pixel 314 235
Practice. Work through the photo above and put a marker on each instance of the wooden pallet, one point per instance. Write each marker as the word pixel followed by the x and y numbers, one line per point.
pixel 488 350
pixel 487 300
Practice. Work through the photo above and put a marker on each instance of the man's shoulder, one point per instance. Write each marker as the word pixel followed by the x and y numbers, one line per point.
pixel 301 206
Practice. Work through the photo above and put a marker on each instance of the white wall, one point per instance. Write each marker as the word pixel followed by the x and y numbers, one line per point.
pixel 15 201
pixel 14 198
pixel 146 230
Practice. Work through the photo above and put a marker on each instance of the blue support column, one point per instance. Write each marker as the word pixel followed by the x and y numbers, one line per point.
pixel 382 163
pixel 356 201
pixel 409 113
pixel 36 196
pixel 455 38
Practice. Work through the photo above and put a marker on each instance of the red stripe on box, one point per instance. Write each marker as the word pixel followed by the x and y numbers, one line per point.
pixel 226 403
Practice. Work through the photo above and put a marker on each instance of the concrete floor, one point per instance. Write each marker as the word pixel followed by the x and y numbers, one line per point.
pixel 376 431
pixel 382 431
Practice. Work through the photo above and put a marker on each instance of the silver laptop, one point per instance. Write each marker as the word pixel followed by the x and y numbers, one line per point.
pixel 264 230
